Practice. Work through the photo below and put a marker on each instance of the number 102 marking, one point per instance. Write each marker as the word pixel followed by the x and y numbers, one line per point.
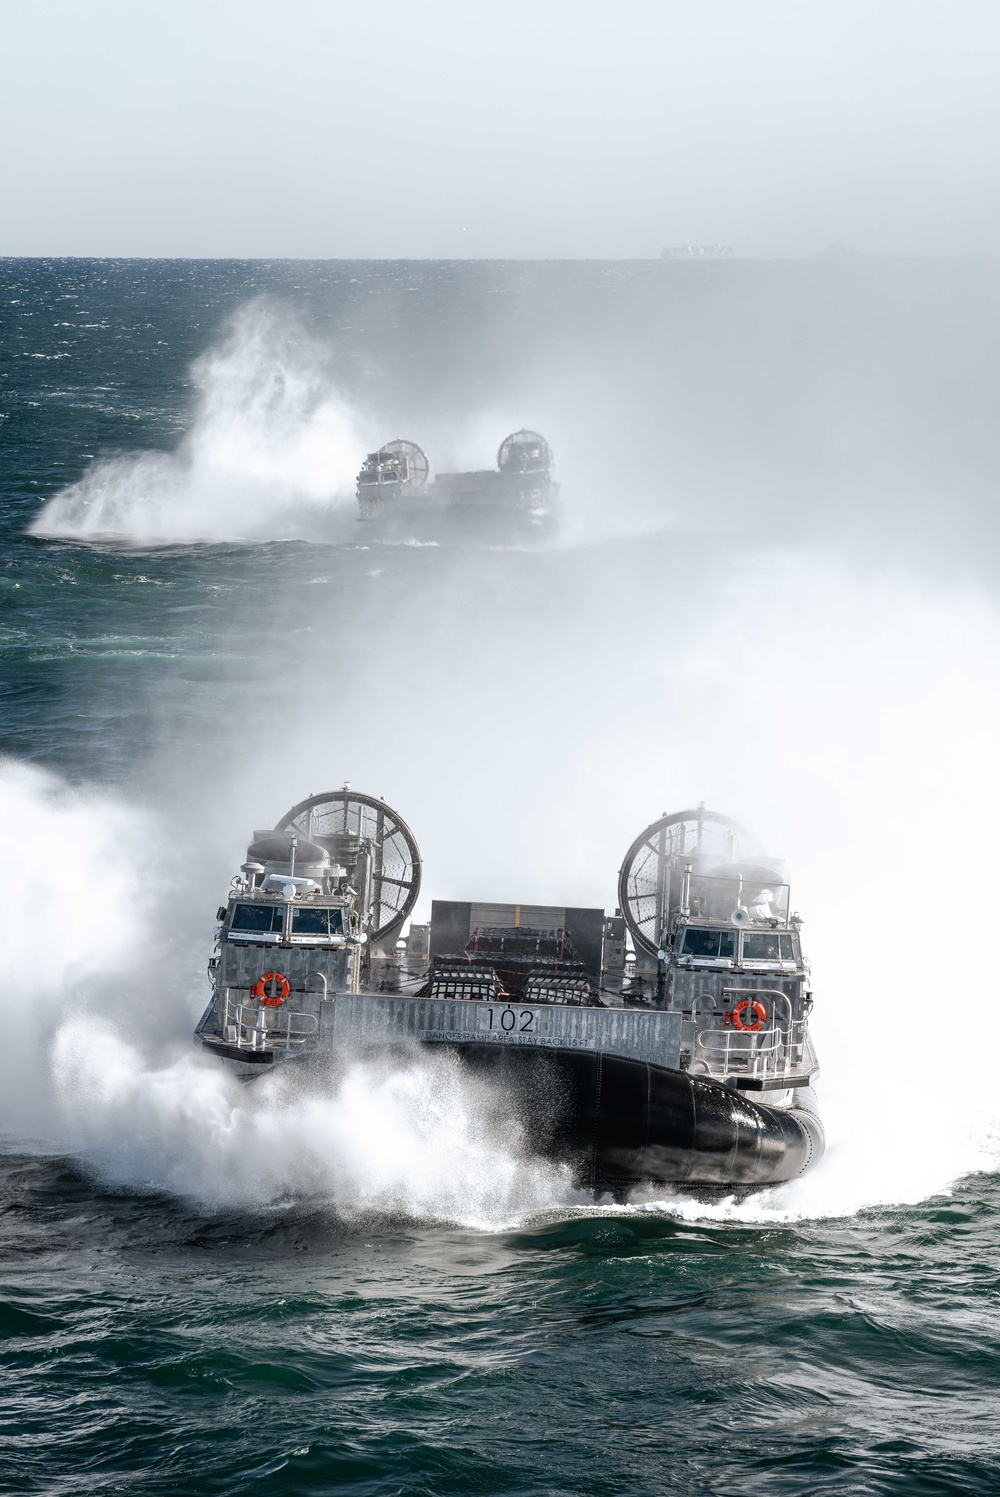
pixel 508 1020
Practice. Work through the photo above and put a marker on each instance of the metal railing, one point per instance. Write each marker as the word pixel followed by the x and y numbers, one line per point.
pixel 778 1049
pixel 253 1027
pixel 769 1054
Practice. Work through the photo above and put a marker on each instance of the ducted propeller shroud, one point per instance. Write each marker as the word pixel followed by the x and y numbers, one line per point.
pixel 657 857
pixel 345 822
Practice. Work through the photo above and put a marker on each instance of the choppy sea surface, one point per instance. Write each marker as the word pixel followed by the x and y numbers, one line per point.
pixel 774 590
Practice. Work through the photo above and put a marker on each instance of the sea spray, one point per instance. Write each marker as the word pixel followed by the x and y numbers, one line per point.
pixel 75 922
pixel 419 1138
pixel 273 450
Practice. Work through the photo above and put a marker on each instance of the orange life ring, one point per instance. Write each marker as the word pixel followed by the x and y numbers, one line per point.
pixel 741 1008
pixel 280 989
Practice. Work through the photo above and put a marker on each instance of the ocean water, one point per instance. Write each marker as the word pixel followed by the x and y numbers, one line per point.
pixel 774 591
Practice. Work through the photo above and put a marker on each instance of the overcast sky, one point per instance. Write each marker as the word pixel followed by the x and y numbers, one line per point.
pixel 432 128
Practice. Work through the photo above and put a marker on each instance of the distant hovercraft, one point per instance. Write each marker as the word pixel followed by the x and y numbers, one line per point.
pixel 518 496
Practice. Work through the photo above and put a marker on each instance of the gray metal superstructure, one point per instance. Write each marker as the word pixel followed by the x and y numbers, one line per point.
pixel 716 941
pixel 314 913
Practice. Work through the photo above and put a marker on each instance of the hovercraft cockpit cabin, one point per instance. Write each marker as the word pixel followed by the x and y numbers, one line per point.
pixel 715 940
pixel 313 913
pixel 394 486
pixel 666 1044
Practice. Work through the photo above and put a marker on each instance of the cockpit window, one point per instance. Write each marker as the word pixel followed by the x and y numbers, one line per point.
pixel 313 922
pixel 264 919
pixel 720 944
pixel 767 946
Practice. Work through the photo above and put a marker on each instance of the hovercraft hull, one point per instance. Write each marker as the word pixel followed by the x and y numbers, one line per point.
pixel 423 519
pixel 600 1090
pixel 621 1123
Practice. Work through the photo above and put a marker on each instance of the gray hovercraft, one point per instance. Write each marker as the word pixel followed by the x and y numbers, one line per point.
pixel 516 499
pixel 666 1045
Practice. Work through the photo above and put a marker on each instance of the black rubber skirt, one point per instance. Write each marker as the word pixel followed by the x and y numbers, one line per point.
pixel 621 1123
